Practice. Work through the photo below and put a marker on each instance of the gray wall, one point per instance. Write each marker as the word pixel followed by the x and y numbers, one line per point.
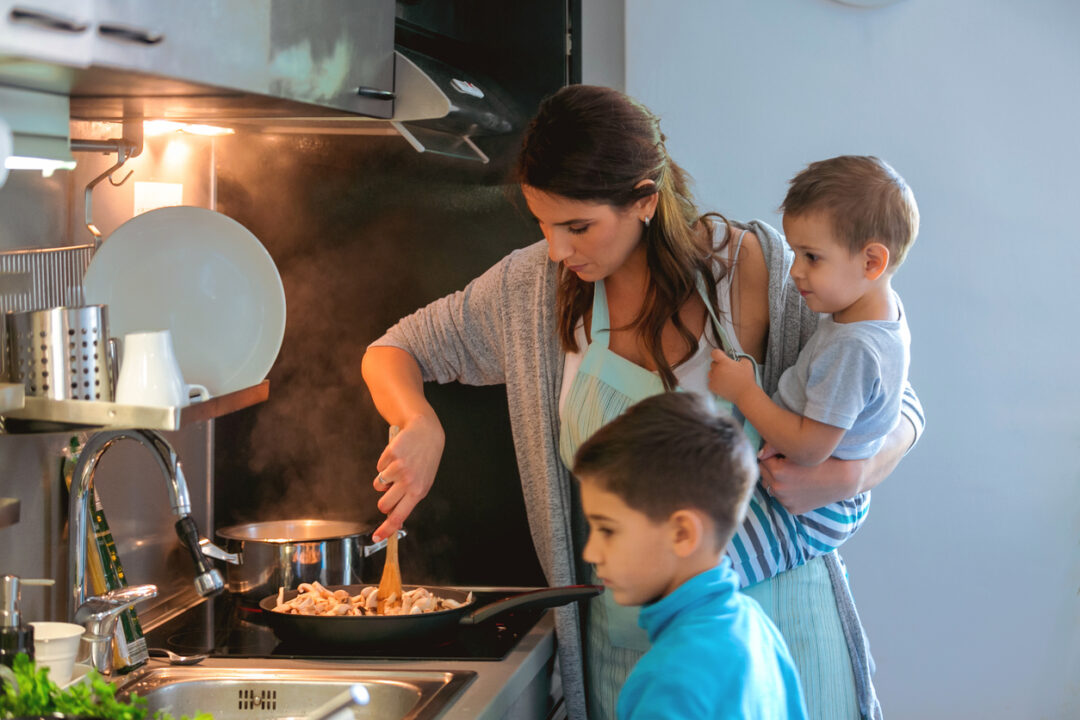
pixel 967 571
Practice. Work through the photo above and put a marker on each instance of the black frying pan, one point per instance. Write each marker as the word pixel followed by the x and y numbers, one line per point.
pixel 354 631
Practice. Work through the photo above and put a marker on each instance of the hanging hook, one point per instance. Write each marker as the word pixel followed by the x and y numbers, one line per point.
pixel 122 181
pixel 123 152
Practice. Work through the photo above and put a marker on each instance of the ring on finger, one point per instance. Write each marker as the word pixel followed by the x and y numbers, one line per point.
pixel 382 481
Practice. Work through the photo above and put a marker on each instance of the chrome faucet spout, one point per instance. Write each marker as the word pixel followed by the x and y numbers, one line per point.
pixel 208 580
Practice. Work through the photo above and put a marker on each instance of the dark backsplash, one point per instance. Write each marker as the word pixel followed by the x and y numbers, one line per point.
pixel 363 231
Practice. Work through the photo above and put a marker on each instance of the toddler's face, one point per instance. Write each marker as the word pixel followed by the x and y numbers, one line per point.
pixel 827 275
pixel 632 554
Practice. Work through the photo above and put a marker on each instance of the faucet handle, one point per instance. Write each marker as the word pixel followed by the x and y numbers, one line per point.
pixel 100 609
pixel 98 614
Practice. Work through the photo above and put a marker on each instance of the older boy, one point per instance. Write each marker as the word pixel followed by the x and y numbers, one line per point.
pixel 664 487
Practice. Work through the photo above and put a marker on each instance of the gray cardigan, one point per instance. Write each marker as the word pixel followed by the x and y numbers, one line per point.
pixel 502 329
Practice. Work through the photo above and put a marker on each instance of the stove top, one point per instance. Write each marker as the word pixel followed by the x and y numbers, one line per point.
pixel 227 627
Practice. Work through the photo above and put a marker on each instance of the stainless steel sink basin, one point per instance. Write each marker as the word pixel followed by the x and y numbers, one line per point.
pixel 276 694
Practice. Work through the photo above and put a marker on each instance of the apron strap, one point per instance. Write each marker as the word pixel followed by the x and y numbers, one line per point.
pixel 751 432
pixel 600 324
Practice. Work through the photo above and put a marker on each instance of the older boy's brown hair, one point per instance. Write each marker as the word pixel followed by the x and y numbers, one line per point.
pixel 669 452
pixel 864 197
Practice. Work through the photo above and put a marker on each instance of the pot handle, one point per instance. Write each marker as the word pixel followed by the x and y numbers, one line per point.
pixel 370 550
pixel 545 598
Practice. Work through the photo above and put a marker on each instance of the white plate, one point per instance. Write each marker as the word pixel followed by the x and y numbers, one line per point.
pixel 203 276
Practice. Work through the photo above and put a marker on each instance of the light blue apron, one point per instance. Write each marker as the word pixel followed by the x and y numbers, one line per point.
pixel 607 384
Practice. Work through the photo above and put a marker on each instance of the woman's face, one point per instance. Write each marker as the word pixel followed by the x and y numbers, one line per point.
pixel 592 239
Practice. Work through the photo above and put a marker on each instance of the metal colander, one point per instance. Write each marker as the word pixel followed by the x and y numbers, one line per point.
pixel 62 353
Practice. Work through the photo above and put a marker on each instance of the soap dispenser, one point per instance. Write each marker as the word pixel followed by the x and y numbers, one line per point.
pixel 15 637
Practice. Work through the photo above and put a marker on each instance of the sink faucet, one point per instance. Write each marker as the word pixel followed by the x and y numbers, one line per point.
pixel 208 580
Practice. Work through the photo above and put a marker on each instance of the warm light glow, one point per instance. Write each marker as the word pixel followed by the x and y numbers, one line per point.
pixel 153 128
pixel 207 130
pixel 45 165
pixel 176 152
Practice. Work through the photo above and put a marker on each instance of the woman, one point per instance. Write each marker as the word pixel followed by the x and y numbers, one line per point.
pixel 625 297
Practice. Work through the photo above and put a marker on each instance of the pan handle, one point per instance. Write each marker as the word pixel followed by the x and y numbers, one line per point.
pixel 546 597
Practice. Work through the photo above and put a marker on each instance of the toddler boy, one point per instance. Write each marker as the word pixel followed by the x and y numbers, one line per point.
pixel 850 221
pixel 664 487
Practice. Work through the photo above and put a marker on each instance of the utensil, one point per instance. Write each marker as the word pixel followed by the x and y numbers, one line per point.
pixel 204 277
pixel 390 585
pixel 62 353
pixel 316 632
pixel 175 659
pixel 288 552
pixel 150 375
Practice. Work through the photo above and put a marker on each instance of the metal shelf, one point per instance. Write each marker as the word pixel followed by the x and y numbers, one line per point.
pixel 45 415
pixel 12 397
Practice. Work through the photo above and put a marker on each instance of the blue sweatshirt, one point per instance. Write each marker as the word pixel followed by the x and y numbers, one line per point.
pixel 715 654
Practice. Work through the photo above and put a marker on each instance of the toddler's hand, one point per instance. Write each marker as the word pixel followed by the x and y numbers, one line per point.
pixel 767 451
pixel 728 378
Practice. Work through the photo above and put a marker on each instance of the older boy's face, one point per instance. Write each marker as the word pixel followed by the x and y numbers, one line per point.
pixel 827 275
pixel 632 554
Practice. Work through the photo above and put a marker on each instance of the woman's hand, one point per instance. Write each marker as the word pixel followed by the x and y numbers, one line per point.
pixel 407 470
pixel 801 489
pixel 407 466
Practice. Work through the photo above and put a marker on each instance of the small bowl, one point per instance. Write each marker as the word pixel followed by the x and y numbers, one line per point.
pixel 55 646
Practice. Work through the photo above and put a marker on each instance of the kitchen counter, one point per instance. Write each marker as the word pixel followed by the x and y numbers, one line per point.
pixel 517 686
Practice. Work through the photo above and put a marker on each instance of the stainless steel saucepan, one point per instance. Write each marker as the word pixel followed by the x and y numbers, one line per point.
pixel 289 552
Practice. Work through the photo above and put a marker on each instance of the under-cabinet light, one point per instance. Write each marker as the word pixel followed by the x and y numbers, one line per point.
pixel 207 130
pixel 153 128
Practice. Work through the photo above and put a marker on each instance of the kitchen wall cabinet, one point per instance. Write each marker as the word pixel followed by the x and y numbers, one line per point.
pixel 203 58
pixel 54 31
pixel 215 42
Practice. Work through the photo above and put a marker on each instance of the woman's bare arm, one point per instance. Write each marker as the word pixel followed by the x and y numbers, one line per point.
pixel 411 459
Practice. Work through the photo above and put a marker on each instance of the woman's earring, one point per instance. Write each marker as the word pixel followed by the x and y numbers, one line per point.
pixel 646 221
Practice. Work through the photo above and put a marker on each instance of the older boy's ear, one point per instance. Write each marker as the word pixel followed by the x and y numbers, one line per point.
pixel 687 531
pixel 875 260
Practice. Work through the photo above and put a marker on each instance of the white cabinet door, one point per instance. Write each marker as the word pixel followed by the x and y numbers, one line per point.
pixel 224 43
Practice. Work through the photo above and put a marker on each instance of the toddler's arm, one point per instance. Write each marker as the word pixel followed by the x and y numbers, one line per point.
pixel 801 440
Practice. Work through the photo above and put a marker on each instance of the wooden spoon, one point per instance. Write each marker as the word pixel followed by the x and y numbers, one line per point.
pixel 390 584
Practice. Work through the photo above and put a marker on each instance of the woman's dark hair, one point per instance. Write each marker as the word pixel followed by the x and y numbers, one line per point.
pixel 669 452
pixel 596 144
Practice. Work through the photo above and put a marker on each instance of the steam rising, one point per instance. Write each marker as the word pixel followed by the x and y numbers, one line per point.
pixel 362 235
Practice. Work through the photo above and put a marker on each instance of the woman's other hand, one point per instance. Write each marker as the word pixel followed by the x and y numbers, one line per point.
pixel 407 470
pixel 729 378
pixel 802 489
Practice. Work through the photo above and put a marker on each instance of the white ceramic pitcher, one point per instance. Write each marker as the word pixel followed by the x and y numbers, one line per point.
pixel 150 375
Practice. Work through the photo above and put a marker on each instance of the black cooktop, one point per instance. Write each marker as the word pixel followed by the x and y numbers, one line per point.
pixel 227 627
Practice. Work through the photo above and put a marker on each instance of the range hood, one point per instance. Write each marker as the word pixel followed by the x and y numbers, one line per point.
pixel 437 109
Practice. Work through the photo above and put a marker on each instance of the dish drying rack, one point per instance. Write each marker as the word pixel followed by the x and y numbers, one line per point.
pixel 52 277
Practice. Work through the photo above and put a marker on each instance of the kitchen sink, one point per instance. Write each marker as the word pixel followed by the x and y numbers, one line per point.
pixel 276 694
